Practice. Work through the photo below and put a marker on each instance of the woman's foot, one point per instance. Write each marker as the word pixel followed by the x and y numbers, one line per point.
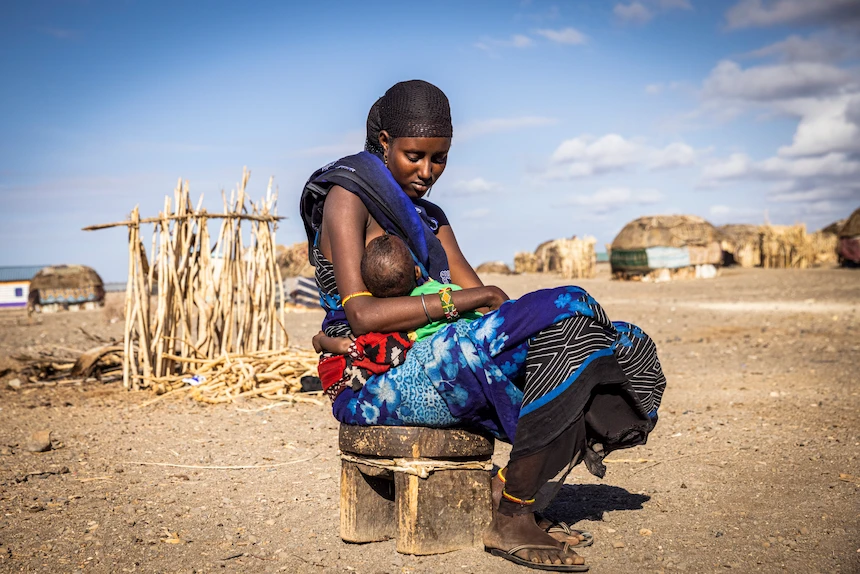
pixel 508 532
pixel 562 532
pixel 573 539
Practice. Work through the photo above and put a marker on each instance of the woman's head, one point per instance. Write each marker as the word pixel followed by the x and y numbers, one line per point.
pixel 410 128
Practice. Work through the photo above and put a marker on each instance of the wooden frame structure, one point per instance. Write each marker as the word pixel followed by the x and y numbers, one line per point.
pixel 210 301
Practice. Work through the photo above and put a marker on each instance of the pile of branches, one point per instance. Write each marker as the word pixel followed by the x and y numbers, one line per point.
pixel 101 364
pixel 273 375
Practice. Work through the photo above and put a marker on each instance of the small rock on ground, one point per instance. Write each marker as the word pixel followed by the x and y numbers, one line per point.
pixel 39 441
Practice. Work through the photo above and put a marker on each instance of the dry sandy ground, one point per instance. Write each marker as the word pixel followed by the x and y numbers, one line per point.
pixel 753 467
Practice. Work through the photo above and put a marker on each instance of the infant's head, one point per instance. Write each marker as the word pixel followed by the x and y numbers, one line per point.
pixel 387 267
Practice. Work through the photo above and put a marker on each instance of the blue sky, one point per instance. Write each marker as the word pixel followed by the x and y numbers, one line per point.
pixel 570 118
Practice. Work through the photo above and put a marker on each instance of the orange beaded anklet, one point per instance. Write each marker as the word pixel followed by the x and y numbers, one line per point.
pixel 511 497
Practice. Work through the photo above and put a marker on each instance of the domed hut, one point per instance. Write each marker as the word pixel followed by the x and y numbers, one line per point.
pixel 497 267
pixel 572 258
pixel 741 244
pixel 67 287
pixel 293 260
pixel 849 241
pixel 680 244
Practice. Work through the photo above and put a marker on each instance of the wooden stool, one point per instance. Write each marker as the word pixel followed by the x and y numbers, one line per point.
pixel 446 511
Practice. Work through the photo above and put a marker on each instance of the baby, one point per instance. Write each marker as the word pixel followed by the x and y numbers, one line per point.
pixel 388 270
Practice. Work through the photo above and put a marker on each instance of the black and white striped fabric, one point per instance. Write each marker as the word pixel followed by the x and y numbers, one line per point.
pixel 560 350
pixel 637 356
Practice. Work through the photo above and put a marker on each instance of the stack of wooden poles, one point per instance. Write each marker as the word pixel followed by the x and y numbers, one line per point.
pixel 215 326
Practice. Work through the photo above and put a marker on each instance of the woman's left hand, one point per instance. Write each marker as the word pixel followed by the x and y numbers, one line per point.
pixel 497 297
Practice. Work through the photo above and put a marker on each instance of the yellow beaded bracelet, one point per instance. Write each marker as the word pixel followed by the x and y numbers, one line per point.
pixel 356 294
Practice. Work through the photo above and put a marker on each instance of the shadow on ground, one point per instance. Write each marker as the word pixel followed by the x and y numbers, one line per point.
pixel 576 502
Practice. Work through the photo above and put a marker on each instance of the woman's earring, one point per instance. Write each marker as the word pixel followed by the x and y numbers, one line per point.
pixel 385 159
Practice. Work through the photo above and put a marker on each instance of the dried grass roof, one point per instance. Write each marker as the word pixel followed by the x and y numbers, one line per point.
pixel 851 228
pixel 833 228
pixel 739 232
pixel 665 231
pixel 66 277
pixel 293 260
pixel 494 267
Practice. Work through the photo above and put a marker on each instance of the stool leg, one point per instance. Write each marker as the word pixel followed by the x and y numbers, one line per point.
pixel 366 505
pixel 447 511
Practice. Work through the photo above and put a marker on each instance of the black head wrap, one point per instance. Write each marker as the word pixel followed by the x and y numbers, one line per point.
pixel 413 109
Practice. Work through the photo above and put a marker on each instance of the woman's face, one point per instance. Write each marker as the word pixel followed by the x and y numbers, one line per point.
pixel 415 163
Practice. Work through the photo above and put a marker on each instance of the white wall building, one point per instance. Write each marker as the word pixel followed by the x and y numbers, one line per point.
pixel 15 285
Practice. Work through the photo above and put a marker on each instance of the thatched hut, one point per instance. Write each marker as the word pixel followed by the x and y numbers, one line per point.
pixel 498 267
pixel 293 260
pixel 790 246
pixel 834 228
pixel 741 244
pixel 784 246
pixel 525 262
pixel 572 258
pixel 823 248
pixel 777 246
pixel 849 241
pixel 673 242
pixel 69 287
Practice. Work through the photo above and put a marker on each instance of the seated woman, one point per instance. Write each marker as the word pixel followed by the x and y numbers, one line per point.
pixel 548 372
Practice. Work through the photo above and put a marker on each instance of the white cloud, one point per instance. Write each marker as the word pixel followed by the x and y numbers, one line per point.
pixel 654 89
pixel 679 4
pixel 641 11
pixel 767 83
pixel 719 209
pixel 831 165
pixel 564 36
pixel 584 156
pixel 615 197
pixel 816 194
pixel 521 41
pixel 475 186
pixel 726 212
pixel 673 155
pixel 834 166
pixel 754 13
pixel 634 13
pixel 496 125
pixel 826 125
pixel 491 45
pixel 828 47
pixel 736 166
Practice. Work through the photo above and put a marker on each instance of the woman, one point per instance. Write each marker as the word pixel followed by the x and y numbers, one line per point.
pixel 548 372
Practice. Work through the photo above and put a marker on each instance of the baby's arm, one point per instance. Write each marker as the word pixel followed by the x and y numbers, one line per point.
pixel 336 345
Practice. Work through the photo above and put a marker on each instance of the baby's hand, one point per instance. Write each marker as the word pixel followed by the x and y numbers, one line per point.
pixel 316 342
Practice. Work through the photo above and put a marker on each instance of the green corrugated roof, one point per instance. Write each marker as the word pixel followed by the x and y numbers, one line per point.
pixel 19 272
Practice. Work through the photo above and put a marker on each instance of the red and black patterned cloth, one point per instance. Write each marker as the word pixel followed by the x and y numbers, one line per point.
pixel 370 354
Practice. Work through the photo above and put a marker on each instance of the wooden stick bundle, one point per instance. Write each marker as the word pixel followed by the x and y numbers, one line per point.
pixel 216 311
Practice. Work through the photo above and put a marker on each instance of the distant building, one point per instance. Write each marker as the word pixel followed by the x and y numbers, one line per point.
pixel 66 287
pixel 15 285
